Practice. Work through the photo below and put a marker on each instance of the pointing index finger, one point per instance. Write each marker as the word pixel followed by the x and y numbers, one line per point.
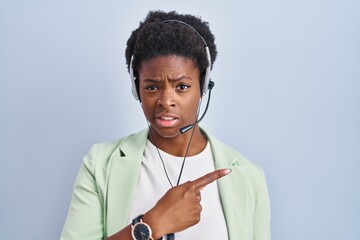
pixel 210 177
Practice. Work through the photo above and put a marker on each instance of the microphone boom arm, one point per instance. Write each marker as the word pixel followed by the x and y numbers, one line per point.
pixel 190 126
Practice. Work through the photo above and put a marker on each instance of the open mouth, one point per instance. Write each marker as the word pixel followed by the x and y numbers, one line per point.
pixel 167 118
pixel 166 121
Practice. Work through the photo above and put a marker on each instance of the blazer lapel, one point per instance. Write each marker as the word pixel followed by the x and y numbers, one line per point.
pixel 123 178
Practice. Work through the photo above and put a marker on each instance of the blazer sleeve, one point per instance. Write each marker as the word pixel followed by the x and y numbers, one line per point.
pixel 85 215
pixel 262 211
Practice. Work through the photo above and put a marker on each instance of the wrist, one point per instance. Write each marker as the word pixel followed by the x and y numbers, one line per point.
pixel 154 223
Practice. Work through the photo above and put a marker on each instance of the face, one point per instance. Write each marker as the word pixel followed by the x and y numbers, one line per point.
pixel 170 93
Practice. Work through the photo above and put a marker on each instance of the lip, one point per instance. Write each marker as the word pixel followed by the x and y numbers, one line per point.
pixel 166 119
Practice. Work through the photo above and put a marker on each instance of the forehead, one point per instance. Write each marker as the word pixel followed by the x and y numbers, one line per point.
pixel 169 65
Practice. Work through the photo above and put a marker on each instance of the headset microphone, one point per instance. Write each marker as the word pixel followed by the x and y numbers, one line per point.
pixel 188 127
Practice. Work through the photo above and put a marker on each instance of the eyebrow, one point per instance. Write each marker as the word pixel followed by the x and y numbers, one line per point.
pixel 171 80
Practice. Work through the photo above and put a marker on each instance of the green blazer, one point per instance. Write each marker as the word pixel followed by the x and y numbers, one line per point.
pixel 105 188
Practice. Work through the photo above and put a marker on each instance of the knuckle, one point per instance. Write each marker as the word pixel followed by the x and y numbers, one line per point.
pixel 197 219
pixel 192 187
pixel 210 176
pixel 188 185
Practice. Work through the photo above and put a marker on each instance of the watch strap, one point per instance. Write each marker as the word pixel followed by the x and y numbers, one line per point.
pixel 170 236
pixel 137 219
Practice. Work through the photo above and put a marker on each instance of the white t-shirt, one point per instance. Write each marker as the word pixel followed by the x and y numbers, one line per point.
pixel 153 184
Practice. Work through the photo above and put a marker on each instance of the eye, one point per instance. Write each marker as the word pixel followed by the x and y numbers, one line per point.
pixel 151 88
pixel 183 87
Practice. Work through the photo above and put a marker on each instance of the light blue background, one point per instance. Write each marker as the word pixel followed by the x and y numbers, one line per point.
pixel 286 96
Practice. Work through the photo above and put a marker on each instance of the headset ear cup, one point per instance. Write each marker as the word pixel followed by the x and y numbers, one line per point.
pixel 207 72
pixel 134 88
pixel 133 78
pixel 137 86
pixel 202 82
pixel 205 80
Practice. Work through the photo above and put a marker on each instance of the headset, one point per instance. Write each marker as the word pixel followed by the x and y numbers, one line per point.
pixel 206 83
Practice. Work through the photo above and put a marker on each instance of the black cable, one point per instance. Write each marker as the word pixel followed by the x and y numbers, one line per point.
pixel 157 149
pixel 186 153
pixel 162 161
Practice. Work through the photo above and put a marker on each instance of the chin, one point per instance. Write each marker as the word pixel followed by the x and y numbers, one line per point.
pixel 166 132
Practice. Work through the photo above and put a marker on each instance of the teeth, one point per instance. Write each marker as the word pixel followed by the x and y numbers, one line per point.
pixel 167 118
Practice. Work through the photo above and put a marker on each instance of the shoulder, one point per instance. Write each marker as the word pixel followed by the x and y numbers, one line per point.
pixel 226 156
pixel 226 153
pixel 245 173
pixel 101 153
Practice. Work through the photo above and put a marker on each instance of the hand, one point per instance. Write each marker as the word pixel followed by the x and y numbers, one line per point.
pixel 180 207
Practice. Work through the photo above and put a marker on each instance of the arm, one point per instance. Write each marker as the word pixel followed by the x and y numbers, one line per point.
pixel 262 211
pixel 85 215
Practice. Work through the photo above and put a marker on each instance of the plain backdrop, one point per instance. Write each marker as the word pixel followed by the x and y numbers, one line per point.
pixel 287 96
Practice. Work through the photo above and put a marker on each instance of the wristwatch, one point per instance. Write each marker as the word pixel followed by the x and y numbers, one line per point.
pixel 140 230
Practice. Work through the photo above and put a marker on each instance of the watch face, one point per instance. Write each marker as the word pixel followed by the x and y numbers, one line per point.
pixel 141 231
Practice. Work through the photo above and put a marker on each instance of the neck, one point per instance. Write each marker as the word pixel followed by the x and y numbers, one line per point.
pixel 178 145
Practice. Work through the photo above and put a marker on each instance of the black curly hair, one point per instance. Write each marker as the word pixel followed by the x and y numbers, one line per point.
pixel 157 37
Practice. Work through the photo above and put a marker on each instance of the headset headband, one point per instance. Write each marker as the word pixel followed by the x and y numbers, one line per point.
pixel 205 85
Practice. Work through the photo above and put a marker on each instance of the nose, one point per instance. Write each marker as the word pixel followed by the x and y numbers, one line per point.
pixel 166 99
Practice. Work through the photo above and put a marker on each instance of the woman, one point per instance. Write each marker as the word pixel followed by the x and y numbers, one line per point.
pixel 140 187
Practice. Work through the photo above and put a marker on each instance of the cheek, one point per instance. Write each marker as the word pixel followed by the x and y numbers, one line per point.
pixel 146 109
pixel 192 106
